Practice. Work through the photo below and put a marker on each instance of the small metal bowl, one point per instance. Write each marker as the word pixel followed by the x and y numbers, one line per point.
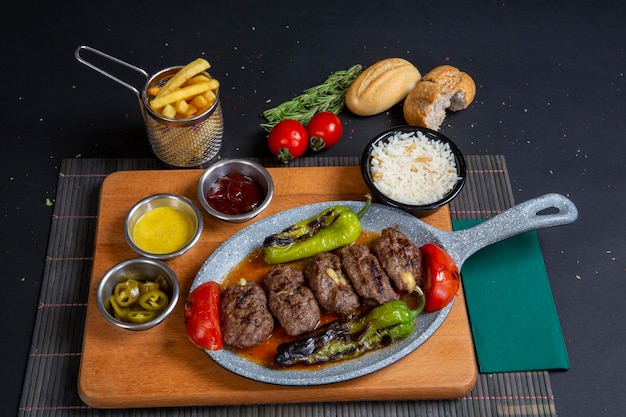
pixel 419 210
pixel 163 200
pixel 140 269
pixel 258 173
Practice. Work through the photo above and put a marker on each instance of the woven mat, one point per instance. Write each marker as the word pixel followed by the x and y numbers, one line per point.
pixel 50 384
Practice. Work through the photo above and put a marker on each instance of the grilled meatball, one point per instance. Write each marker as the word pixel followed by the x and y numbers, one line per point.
pixel 246 321
pixel 367 276
pixel 327 280
pixel 290 301
pixel 400 258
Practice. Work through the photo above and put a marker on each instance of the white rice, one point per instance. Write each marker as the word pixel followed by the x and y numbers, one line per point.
pixel 413 169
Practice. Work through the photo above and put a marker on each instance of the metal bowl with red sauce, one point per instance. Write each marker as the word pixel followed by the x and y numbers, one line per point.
pixel 235 190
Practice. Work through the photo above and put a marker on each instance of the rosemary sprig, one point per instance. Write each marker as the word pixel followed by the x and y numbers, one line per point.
pixel 328 96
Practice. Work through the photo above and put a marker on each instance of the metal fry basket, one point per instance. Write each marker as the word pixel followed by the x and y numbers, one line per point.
pixel 183 143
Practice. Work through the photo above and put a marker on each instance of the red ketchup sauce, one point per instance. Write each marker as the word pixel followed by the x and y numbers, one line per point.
pixel 234 194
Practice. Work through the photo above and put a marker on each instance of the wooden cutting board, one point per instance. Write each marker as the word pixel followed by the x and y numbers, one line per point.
pixel 160 367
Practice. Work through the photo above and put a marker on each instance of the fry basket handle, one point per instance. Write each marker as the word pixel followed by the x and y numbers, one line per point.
pixel 82 60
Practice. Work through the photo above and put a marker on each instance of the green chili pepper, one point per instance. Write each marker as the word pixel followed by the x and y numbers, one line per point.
pixel 162 283
pixel 144 287
pixel 126 293
pixel 333 228
pixel 119 312
pixel 140 316
pixel 153 300
pixel 138 301
pixel 352 336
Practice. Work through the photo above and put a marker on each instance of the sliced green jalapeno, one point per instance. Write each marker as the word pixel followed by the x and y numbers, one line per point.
pixel 140 316
pixel 153 300
pixel 135 301
pixel 119 313
pixel 144 287
pixel 162 282
pixel 126 293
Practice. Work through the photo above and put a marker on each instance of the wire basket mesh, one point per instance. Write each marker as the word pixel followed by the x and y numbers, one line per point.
pixel 183 142
pixel 187 146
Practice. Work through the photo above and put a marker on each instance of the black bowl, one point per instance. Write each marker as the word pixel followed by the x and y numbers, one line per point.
pixel 420 210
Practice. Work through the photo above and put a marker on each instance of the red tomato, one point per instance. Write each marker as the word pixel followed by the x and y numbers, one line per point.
pixel 202 316
pixel 287 140
pixel 442 277
pixel 324 130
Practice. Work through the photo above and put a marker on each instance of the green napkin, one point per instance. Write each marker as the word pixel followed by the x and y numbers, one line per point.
pixel 511 310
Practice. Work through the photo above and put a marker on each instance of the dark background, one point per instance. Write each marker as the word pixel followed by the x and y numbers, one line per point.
pixel 551 87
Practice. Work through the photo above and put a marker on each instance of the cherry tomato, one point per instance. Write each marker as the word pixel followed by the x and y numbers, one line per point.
pixel 202 316
pixel 442 277
pixel 324 130
pixel 287 140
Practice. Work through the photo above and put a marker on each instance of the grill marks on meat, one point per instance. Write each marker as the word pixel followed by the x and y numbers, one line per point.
pixel 327 280
pixel 368 277
pixel 339 283
pixel 400 258
pixel 246 320
pixel 290 300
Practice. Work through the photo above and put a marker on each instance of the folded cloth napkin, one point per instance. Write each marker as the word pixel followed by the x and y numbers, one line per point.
pixel 511 310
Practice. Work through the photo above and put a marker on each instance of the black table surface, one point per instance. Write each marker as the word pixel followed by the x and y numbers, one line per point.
pixel 551 90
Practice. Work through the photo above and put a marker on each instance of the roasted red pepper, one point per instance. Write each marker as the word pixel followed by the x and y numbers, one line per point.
pixel 202 316
pixel 442 277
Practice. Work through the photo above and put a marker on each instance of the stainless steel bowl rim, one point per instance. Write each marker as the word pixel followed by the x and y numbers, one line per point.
pixel 114 270
pixel 268 188
pixel 193 208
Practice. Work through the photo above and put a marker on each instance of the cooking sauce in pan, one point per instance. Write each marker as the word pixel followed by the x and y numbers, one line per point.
pixel 254 268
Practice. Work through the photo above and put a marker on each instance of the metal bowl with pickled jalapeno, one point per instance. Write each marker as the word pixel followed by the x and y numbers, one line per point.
pixel 137 294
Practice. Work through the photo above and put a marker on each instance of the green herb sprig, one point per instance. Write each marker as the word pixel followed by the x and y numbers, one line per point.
pixel 328 96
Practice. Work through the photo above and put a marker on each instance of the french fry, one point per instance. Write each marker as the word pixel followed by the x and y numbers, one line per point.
pixel 191 91
pixel 181 106
pixel 153 91
pixel 191 111
pixel 199 101
pixel 203 109
pixel 214 83
pixel 169 111
pixel 190 70
pixel 183 93
pixel 209 96
pixel 201 78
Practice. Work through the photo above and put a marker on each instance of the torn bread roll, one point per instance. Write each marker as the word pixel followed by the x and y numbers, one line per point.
pixel 443 88
pixel 381 86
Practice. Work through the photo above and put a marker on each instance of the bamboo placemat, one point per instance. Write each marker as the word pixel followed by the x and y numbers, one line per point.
pixel 50 383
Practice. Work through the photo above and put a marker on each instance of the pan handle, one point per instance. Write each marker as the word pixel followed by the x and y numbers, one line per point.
pixel 530 215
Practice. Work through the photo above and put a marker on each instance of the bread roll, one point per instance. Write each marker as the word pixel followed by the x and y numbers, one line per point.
pixel 443 88
pixel 381 86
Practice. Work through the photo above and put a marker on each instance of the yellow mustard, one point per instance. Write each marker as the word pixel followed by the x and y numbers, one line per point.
pixel 163 230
